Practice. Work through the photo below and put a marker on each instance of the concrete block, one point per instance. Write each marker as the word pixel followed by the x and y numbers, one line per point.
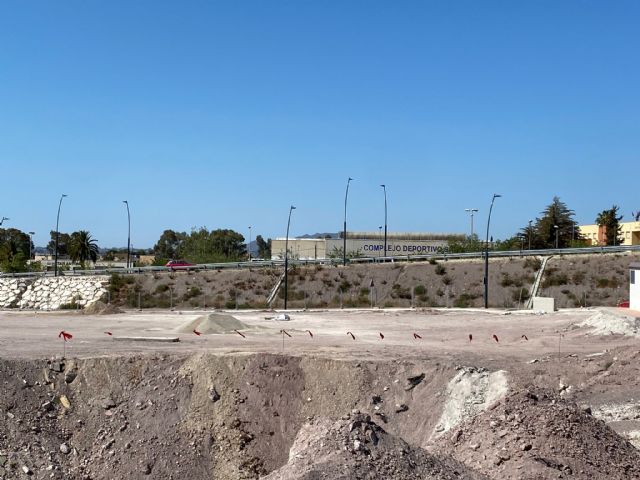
pixel 544 304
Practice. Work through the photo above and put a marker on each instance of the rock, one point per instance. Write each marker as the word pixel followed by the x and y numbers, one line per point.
pixel 108 403
pixel 64 448
pixel 26 470
pixel 525 447
pixel 412 382
pixel 70 376
pixel 47 406
pixel 214 396
pixel 401 408
pixel 376 399
pixel 57 366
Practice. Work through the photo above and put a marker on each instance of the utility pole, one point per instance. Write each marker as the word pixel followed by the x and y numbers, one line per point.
pixel 471 211
pixel 344 233
pixel 384 187
pixel 128 234
pixel 55 261
pixel 486 255
pixel 286 260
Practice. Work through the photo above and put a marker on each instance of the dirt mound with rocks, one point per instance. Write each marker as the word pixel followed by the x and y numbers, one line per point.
pixel 355 447
pixel 214 323
pixel 538 435
pixel 611 323
pixel 101 308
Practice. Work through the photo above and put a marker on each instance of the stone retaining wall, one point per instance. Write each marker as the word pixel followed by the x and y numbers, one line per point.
pixel 50 293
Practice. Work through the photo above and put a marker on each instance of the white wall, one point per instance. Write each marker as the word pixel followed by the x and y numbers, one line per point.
pixel 634 289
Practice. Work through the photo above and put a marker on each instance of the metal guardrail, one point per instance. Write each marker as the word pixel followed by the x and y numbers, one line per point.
pixel 336 262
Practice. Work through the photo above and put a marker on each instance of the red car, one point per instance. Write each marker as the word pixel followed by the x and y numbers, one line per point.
pixel 179 264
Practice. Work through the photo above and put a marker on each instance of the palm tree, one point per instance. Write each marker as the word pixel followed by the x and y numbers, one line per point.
pixel 83 247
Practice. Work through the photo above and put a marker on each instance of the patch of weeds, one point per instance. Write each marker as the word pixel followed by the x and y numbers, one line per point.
pixel 440 270
pixel 419 290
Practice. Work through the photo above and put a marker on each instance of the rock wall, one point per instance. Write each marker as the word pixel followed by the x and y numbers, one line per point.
pixel 51 293
pixel 11 291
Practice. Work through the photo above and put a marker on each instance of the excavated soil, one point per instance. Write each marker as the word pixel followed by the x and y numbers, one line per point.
pixel 548 397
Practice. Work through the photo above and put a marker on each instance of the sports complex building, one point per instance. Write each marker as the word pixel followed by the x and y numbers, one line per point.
pixel 363 244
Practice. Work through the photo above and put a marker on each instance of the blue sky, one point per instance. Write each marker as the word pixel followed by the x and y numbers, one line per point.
pixel 223 114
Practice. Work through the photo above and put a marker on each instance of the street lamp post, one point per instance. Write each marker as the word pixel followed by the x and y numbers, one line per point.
pixel 557 229
pixel 486 255
pixel 31 234
pixel 530 233
pixel 3 219
pixel 55 261
pixel 286 260
pixel 471 211
pixel 384 187
pixel 344 233
pixel 126 202
pixel 249 244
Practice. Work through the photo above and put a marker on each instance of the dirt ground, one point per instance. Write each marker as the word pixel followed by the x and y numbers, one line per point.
pixel 424 393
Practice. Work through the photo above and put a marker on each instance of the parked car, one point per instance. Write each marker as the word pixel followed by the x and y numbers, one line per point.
pixel 179 265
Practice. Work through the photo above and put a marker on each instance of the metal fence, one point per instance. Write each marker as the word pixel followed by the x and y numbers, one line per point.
pixel 280 263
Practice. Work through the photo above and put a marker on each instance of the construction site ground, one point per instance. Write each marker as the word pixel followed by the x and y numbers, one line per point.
pixel 338 394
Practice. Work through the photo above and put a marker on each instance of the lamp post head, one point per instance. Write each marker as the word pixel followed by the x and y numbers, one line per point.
pixel 64 195
pixel 496 195
pixel 125 201
pixel 383 185
pixel 292 207
pixel 349 179
pixel 32 233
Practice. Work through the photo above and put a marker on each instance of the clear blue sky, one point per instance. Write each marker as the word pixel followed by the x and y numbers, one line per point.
pixel 204 113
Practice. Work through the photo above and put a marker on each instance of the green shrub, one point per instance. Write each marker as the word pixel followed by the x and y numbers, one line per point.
pixel 440 270
pixel 419 290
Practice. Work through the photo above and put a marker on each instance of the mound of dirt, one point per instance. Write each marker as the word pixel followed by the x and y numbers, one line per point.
pixel 101 308
pixel 213 323
pixel 356 447
pixel 530 435
pixel 609 323
pixel 470 392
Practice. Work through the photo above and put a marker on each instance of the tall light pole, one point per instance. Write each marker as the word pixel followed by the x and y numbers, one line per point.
pixel 471 211
pixel 286 260
pixel 530 233
pixel 55 261
pixel 344 233
pixel 3 219
pixel 557 229
pixel 486 255
pixel 249 244
pixel 128 234
pixel 31 234
pixel 384 187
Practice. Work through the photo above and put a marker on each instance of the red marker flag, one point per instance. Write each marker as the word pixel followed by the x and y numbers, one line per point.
pixel 525 337
pixel 197 332
pixel 352 336
pixel 285 332
pixel 240 333
pixel 65 335
pixel 416 336
pixel 381 335
pixel 495 337
pixel 310 334
pixel 108 333
pixel 470 337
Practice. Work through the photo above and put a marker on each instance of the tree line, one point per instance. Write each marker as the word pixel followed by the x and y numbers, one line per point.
pixel 554 228
pixel 204 246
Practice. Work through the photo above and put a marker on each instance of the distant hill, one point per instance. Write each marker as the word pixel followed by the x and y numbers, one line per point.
pixel 319 235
